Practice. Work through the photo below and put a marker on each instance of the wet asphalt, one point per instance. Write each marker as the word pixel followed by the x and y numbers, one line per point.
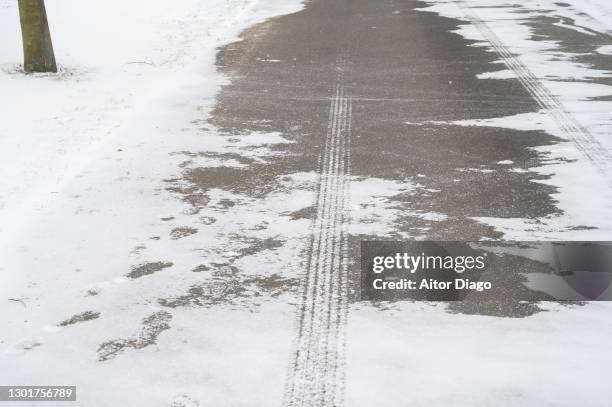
pixel 409 77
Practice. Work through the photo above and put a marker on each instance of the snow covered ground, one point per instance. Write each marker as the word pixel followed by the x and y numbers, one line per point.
pixel 116 69
pixel 85 215
pixel 85 219
pixel 425 356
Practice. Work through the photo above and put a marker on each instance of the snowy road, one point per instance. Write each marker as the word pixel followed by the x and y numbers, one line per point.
pixel 203 249
pixel 416 171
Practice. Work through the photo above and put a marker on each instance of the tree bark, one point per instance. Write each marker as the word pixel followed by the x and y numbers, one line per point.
pixel 37 47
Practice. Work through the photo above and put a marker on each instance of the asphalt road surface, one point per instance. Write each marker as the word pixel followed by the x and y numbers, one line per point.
pixel 365 92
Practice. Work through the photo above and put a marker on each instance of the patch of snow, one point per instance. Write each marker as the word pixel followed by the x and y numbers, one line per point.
pixel 84 155
pixel 585 12
pixel 469 360
pixel 375 213
pixel 605 50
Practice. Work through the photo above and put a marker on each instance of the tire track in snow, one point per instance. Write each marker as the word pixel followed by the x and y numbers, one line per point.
pixel 316 376
pixel 586 143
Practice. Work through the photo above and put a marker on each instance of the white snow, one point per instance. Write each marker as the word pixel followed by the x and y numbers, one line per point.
pixel 83 156
pixel 605 50
pixel 418 354
pixel 589 11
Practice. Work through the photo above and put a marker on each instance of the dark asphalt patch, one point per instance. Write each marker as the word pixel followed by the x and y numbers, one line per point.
pixel 82 317
pixel 407 70
pixel 147 269
pixel 152 327
pixel 183 231
pixel 232 289
pixel 200 268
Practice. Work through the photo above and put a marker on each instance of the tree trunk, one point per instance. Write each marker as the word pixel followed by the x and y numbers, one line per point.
pixel 37 47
